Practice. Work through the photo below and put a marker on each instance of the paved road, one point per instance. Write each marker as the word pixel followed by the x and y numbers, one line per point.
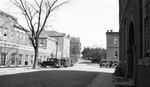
pixel 82 74
pixel 104 77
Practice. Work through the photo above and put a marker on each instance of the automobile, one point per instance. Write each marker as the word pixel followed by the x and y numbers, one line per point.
pixel 53 62
pixel 66 62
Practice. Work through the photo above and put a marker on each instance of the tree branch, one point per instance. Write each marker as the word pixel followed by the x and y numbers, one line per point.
pixel 39 18
pixel 59 5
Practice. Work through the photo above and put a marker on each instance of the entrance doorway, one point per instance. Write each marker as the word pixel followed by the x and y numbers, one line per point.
pixel 131 52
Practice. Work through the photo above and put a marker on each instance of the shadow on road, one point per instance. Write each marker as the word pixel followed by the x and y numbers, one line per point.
pixel 55 78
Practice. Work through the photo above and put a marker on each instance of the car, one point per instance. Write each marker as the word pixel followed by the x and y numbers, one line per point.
pixel 53 62
pixel 66 62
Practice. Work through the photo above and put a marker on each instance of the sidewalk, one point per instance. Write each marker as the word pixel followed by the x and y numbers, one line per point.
pixel 102 80
pixel 15 70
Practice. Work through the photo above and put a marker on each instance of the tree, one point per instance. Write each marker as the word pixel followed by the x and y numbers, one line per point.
pixel 86 53
pixel 94 54
pixel 74 50
pixel 36 16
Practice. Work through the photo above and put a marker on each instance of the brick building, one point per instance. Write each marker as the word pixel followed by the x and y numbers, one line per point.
pixel 134 18
pixel 112 49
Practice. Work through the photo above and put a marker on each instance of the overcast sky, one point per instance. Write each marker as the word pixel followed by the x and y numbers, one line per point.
pixel 87 19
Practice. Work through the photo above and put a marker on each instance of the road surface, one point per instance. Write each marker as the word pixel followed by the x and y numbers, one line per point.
pixel 82 74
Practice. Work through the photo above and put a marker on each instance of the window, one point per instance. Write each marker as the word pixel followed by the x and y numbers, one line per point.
pixel 17 34
pixel 3 59
pixel 115 54
pixel 21 38
pixel 20 59
pixel 13 59
pixel 115 41
pixel 32 58
pixel 29 41
pixel 26 59
pixel 44 58
pixel 12 35
pixel 52 55
pixel 24 39
pixel 39 60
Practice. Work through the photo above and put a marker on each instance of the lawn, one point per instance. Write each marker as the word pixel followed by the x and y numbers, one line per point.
pixel 56 78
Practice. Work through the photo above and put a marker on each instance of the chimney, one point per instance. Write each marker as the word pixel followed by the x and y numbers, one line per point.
pixel 107 30
pixel 111 30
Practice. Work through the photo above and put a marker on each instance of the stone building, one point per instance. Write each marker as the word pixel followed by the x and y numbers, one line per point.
pixel 15 46
pixel 63 43
pixel 75 48
pixel 112 49
pixel 134 20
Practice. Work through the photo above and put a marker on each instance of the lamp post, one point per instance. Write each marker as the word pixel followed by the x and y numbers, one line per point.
pixel 56 48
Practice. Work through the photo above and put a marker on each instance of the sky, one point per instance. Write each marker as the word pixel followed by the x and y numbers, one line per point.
pixel 87 19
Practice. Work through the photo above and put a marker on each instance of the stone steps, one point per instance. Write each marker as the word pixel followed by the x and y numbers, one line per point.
pixel 123 82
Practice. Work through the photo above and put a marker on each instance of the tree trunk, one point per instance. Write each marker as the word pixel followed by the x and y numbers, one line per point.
pixel 35 57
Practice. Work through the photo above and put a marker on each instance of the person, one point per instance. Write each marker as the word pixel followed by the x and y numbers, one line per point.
pixel 100 63
pixel 110 64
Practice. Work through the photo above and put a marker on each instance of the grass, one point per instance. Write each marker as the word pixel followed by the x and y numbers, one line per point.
pixel 54 78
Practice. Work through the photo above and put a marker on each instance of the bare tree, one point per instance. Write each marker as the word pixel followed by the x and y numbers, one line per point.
pixel 7 51
pixel 36 15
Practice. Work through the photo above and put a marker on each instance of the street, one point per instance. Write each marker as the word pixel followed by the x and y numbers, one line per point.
pixel 82 74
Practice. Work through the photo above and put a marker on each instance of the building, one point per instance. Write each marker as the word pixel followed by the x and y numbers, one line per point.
pixel 15 46
pixel 112 49
pixel 134 20
pixel 75 48
pixel 63 41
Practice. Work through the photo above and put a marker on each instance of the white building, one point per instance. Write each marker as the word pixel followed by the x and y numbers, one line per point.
pixel 63 42
pixel 15 46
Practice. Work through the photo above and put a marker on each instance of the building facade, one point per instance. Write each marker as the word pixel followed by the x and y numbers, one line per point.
pixel 75 48
pixel 134 20
pixel 112 49
pixel 15 46
pixel 63 43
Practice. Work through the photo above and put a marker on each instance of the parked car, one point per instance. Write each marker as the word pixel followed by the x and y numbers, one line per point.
pixel 53 62
pixel 66 62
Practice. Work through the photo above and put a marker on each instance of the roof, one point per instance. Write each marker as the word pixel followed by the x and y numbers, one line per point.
pixel 111 32
pixel 55 33
pixel 7 15
pixel 75 40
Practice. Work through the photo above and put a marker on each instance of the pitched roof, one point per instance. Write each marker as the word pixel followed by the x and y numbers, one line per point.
pixel 54 34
